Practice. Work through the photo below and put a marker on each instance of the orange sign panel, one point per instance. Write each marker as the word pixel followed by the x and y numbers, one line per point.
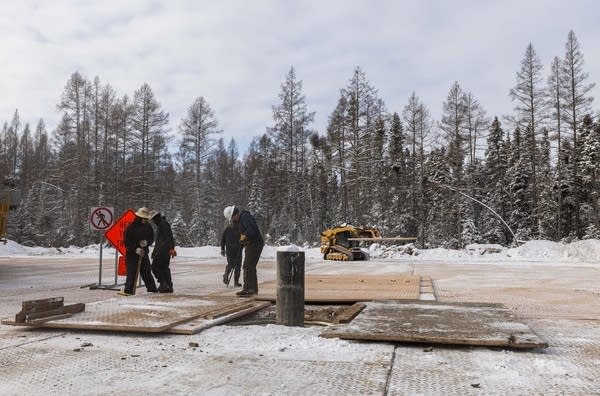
pixel 116 233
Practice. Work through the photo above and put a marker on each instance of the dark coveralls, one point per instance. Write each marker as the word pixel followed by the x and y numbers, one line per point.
pixel 230 245
pixel 134 233
pixel 253 246
pixel 161 257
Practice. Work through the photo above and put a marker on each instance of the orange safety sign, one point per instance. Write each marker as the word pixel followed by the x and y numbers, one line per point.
pixel 116 233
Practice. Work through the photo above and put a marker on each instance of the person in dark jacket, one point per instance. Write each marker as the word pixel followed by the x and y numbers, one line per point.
pixel 253 243
pixel 138 237
pixel 164 250
pixel 232 249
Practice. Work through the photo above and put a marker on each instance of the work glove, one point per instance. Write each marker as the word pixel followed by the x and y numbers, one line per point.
pixel 223 253
pixel 172 253
pixel 243 239
pixel 143 243
pixel 140 252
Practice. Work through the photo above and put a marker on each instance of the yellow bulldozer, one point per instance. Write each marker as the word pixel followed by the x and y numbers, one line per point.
pixel 342 242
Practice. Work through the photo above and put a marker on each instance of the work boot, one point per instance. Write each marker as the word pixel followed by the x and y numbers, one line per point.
pixel 165 289
pixel 124 293
pixel 237 284
pixel 245 293
pixel 225 280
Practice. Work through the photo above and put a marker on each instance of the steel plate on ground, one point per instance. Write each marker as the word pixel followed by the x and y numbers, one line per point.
pixel 438 323
pixel 147 313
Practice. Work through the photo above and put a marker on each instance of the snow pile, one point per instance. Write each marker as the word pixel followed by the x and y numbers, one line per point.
pixel 536 250
pixel 587 251
pixel 377 250
pixel 583 251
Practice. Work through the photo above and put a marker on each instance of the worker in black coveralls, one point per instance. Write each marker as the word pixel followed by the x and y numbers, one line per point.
pixel 138 236
pixel 232 249
pixel 164 250
pixel 253 243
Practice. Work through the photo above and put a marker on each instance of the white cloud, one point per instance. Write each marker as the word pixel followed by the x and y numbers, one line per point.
pixel 237 53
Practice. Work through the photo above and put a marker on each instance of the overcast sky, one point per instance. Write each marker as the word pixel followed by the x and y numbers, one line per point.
pixel 236 53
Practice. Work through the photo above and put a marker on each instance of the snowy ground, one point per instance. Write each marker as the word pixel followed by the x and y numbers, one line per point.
pixel 554 288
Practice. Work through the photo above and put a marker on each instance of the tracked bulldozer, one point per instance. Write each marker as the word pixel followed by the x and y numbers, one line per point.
pixel 342 242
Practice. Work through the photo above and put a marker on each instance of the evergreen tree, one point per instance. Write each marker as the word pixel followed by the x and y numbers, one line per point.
pixel 577 103
pixel 519 185
pixel 148 142
pixel 290 134
pixel 555 97
pixel 530 98
pixel 589 167
pixel 496 165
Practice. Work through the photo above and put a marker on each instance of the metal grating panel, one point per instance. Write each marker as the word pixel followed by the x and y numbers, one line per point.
pixel 439 323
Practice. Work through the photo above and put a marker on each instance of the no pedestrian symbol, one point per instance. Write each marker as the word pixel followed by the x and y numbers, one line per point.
pixel 101 218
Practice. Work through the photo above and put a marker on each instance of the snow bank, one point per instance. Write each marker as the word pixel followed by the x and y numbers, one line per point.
pixel 587 251
pixel 535 250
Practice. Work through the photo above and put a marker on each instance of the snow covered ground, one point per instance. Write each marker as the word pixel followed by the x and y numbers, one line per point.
pixel 552 287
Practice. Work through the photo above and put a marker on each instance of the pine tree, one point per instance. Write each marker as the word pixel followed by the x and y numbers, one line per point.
pixel 362 110
pixel 530 108
pixel 496 165
pixel 148 135
pixel 418 123
pixel 290 134
pixel 577 103
pixel 554 101
pixel 452 126
pixel 589 167
pixel 519 185
pixel 547 201
pixel 476 123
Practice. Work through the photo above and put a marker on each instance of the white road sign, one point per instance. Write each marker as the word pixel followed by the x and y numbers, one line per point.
pixel 101 218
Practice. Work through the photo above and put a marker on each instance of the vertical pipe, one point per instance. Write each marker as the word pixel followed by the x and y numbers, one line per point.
pixel 290 287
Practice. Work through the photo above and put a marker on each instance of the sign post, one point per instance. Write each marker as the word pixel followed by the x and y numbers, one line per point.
pixel 101 218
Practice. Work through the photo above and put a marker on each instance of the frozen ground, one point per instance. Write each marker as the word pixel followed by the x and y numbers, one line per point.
pixel 554 288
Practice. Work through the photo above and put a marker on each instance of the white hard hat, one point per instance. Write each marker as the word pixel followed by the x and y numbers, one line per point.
pixel 228 212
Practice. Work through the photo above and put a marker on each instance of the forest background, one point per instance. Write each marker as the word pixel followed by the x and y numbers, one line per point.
pixel 470 177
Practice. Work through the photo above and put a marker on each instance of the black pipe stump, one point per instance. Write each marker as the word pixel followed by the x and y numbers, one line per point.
pixel 290 288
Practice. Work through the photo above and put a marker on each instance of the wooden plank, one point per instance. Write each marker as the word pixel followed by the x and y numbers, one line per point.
pixel 33 306
pixel 227 310
pixel 349 313
pixel 39 321
pixel 67 309
pixel 438 323
pixel 197 325
pixel 350 288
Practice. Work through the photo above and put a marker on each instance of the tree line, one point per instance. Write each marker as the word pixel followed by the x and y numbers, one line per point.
pixel 465 178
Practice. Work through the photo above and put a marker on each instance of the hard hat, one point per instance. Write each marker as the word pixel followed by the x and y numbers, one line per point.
pixel 228 212
pixel 143 213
